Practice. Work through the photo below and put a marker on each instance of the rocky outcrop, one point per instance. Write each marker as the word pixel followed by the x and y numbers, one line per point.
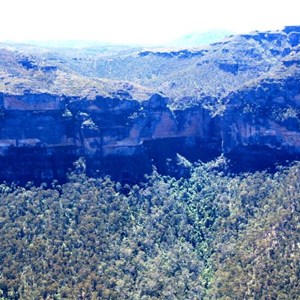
pixel 182 54
pixel 261 125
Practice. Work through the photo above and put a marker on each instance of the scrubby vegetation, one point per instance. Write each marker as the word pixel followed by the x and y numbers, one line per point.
pixel 202 75
pixel 209 236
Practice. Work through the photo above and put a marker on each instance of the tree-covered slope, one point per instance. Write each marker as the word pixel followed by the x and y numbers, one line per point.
pixel 212 236
pixel 190 74
pixel 30 71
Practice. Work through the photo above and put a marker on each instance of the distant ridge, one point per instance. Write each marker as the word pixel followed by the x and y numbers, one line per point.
pixel 200 38
pixel 193 39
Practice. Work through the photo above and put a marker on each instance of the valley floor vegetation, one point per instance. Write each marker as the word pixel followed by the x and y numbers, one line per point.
pixel 211 235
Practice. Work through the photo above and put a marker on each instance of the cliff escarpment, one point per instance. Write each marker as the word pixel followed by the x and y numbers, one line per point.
pixel 127 110
pixel 41 135
pixel 261 124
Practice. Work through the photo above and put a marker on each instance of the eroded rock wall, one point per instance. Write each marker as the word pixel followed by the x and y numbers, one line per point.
pixel 41 135
pixel 261 125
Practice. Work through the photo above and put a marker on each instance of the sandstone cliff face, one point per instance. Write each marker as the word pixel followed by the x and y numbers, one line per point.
pixel 41 135
pixel 261 124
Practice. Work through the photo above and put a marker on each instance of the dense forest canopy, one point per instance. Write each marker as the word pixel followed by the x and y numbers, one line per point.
pixel 212 235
